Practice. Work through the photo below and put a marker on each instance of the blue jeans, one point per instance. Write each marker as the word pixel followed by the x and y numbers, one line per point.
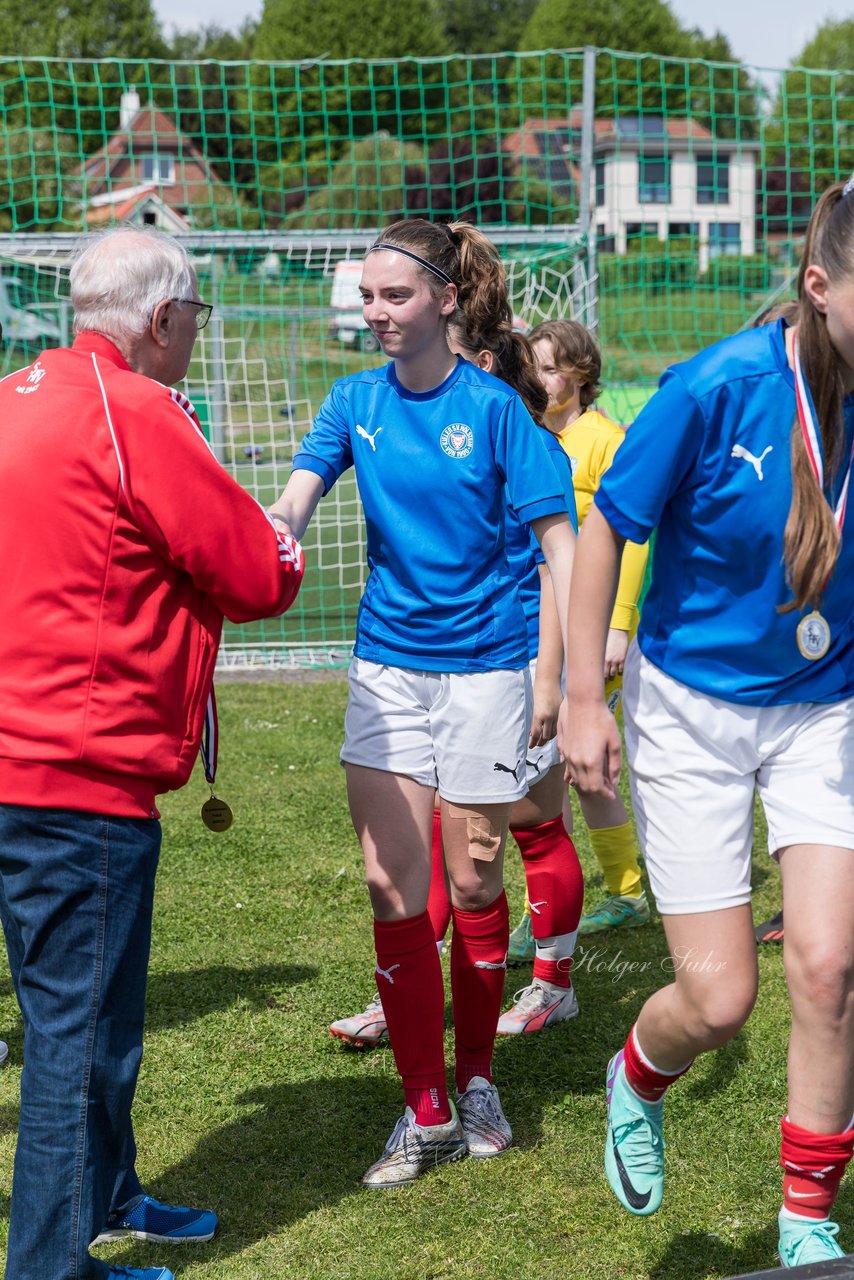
pixel 76 895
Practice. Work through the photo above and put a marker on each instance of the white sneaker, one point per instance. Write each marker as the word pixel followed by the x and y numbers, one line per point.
pixel 363 1030
pixel 536 1007
pixel 412 1149
pixel 484 1123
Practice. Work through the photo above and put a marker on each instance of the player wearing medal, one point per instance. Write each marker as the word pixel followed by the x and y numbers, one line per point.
pixel 742 679
pixel 439 684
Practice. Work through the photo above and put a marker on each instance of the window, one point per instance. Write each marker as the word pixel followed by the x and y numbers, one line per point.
pixel 157 168
pixel 600 183
pixel 724 239
pixel 638 230
pixel 682 230
pixel 605 243
pixel 653 179
pixel 712 177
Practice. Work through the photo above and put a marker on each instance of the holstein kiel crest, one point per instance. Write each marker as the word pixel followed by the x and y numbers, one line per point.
pixel 457 440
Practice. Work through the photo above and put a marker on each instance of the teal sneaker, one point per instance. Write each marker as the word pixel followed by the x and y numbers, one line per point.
pixel 522 948
pixel 804 1240
pixel 634 1145
pixel 615 912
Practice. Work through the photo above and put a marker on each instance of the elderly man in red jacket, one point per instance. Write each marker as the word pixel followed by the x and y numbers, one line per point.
pixel 123 544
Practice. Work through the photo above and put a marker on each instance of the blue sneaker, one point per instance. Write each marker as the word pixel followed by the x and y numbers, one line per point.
pixel 162 1224
pixel 804 1240
pixel 134 1273
pixel 634 1145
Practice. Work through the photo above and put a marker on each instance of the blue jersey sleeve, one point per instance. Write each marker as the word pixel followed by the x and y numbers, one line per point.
pixel 657 460
pixel 522 457
pixel 327 449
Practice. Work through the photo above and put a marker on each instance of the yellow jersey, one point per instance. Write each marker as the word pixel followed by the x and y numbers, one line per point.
pixel 591 442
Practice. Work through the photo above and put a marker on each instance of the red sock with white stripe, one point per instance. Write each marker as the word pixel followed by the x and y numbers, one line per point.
pixel 814 1164
pixel 478 965
pixel 556 894
pixel 409 980
pixel 438 902
pixel 648 1081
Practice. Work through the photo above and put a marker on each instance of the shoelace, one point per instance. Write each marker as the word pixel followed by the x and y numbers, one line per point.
pixel 375 1004
pixel 822 1234
pixel 650 1144
pixel 485 1105
pixel 530 998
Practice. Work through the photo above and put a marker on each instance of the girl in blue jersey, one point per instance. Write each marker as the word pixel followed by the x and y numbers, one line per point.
pixel 742 679
pixel 439 685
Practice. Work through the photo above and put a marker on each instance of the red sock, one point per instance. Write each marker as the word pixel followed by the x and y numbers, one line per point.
pixel 555 891
pixel 648 1082
pixel 814 1164
pixel 409 980
pixel 438 903
pixel 478 966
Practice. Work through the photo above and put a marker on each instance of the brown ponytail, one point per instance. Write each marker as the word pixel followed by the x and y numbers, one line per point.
pixel 811 539
pixel 467 258
pixel 513 360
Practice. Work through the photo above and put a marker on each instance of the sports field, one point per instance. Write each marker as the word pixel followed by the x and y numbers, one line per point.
pixel 262 936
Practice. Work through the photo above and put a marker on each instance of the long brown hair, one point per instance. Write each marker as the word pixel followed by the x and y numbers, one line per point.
pixel 811 538
pixel 470 260
pixel 513 362
pixel 576 352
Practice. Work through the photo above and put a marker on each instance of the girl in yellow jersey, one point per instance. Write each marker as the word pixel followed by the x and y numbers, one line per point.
pixel 569 365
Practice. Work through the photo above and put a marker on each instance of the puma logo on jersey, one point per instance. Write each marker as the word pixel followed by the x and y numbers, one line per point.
pixel 386 973
pixel 366 435
pixel 739 451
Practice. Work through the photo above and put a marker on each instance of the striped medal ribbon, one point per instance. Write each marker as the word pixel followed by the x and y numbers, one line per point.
pixel 813 633
pixel 216 814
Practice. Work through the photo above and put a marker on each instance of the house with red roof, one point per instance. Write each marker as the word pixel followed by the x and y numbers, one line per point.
pixel 149 173
pixel 664 177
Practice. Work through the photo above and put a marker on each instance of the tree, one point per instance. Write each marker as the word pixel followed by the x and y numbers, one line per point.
pixel 297 30
pixel 485 26
pixel 646 79
pixel 80 29
pixel 812 125
pixel 309 106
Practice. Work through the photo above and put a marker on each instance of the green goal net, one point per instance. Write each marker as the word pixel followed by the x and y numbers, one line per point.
pixel 660 201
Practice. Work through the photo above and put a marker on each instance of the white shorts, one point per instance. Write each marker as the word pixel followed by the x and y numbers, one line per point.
pixel 539 760
pixel 695 762
pixel 463 733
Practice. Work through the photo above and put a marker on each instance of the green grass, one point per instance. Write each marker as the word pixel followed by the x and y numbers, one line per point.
pixel 262 936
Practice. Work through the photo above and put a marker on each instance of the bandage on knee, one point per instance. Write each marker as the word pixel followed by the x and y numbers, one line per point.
pixel 485 831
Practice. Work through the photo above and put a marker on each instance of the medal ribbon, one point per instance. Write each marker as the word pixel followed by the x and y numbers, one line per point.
pixel 209 745
pixel 812 438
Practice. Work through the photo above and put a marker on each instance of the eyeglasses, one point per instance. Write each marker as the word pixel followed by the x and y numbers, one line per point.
pixel 203 314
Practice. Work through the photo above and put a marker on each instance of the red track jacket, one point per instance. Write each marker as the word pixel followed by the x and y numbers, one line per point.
pixel 123 543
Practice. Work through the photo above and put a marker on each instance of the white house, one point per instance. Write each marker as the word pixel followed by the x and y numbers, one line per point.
pixel 653 176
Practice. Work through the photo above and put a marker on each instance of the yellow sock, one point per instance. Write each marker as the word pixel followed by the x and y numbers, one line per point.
pixel 615 850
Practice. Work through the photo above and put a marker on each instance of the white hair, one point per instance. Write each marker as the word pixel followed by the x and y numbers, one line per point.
pixel 119 277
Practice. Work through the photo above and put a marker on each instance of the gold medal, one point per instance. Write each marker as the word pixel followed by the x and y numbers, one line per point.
pixel 216 814
pixel 813 636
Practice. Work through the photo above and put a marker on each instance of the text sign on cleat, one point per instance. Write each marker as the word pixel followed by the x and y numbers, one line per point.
pixel 833 1269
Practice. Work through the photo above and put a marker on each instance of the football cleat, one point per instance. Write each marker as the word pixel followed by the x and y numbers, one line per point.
pixel 536 1007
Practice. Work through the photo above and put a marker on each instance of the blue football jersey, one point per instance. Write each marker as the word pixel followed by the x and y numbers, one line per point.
pixel 523 551
pixel 707 463
pixel 435 470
